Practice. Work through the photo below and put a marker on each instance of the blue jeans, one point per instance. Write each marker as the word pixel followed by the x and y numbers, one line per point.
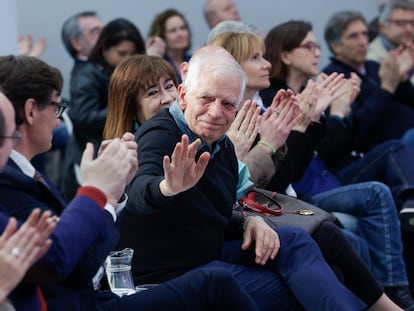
pixel 373 206
pixel 298 268
pixel 391 163
pixel 408 138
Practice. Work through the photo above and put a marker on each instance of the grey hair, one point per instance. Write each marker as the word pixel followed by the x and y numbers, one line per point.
pixel 228 26
pixel 338 23
pixel 208 10
pixel 71 29
pixel 386 11
pixel 215 63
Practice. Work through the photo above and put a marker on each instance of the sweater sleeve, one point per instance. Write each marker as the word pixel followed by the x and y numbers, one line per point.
pixel 144 193
pixel 82 224
pixel 263 166
pixel 300 147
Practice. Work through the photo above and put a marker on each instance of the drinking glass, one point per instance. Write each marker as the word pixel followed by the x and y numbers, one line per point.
pixel 118 272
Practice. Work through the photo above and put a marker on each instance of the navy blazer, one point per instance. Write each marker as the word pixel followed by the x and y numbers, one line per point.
pixel 377 115
pixel 81 241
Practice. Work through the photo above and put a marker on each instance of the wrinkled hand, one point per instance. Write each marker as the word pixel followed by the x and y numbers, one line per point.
pixel 32 240
pixel 155 46
pixel 110 171
pixel 267 240
pixel 279 118
pixel 244 129
pixel 182 172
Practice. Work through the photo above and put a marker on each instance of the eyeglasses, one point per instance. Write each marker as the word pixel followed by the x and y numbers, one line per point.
pixel 17 137
pixel 402 22
pixel 311 46
pixel 60 107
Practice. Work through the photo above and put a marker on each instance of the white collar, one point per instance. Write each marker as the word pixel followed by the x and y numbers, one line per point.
pixel 23 163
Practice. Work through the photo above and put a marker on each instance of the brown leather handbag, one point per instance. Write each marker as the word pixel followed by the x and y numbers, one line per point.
pixel 280 210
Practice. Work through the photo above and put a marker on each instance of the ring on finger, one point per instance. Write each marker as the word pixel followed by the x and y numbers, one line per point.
pixel 276 112
pixel 15 251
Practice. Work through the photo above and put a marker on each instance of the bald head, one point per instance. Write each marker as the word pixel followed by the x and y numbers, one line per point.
pixel 228 26
pixel 7 129
pixel 203 52
pixel 216 11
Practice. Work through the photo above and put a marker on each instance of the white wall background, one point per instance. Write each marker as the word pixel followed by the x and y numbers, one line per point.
pixel 8 27
pixel 45 18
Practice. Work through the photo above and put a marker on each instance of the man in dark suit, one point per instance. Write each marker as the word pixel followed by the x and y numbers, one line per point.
pixel 36 101
pixel 86 231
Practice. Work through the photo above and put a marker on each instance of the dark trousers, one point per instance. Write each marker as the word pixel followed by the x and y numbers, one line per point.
pixel 298 270
pixel 346 263
pixel 200 289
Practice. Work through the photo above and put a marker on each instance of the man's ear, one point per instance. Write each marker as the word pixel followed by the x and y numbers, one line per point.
pixel 183 70
pixel 29 111
pixel 381 26
pixel 182 91
pixel 75 44
pixel 211 19
pixel 335 47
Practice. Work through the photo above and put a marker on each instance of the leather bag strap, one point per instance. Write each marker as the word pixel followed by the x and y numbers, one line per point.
pixel 250 203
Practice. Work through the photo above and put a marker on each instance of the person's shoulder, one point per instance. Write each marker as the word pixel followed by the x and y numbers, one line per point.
pixel 376 42
pixel 335 66
pixel 90 68
pixel 372 64
pixel 162 121
pixel 77 66
pixel 376 50
pixel 10 173
pixel 89 74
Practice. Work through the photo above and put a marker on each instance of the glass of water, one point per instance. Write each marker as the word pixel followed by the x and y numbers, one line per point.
pixel 118 272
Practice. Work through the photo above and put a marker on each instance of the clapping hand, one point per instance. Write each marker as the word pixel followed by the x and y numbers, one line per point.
pixel 389 72
pixel 341 106
pixel 27 47
pixel 244 129
pixel 155 46
pixel 111 170
pixel 20 249
pixel 330 88
pixel 279 118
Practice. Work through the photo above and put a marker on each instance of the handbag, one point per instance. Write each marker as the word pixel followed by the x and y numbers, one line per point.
pixel 280 210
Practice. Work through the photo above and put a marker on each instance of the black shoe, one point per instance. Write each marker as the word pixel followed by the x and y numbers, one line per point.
pixel 401 296
pixel 407 218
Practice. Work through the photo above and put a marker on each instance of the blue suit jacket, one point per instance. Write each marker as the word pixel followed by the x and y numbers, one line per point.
pixel 81 241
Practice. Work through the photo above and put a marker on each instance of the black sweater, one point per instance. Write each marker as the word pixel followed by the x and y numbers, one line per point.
pixel 172 235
